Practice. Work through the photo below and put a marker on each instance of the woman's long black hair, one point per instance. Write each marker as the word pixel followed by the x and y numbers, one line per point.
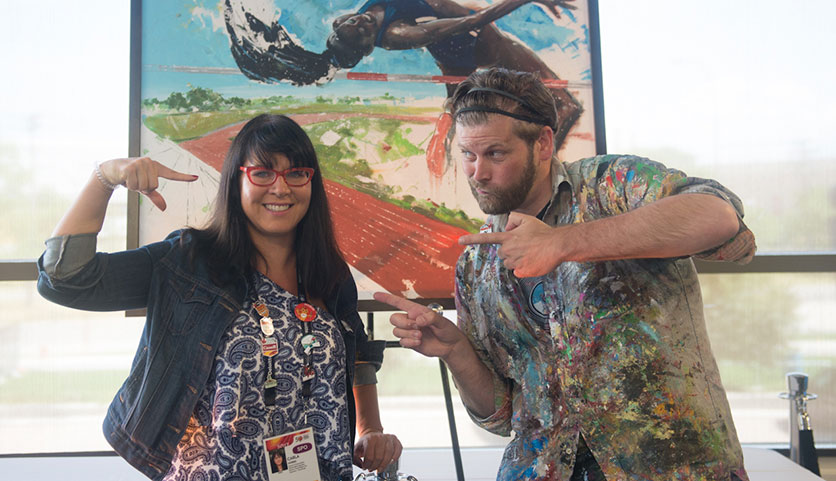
pixel 226 244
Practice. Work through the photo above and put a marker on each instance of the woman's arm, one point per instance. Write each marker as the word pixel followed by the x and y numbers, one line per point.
pixel 71 273
pixel 404 35
pixel 86 215
pixel 374 450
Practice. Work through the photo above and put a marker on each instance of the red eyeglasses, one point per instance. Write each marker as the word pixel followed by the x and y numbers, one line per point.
pixel 263 177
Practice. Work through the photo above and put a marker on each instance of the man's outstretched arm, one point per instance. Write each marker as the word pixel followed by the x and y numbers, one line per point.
pixel 674 226
pixel 421 329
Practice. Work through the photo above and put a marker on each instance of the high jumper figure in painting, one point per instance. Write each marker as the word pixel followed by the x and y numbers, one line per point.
pixel 461 40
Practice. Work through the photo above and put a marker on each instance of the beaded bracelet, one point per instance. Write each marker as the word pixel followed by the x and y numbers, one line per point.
pixel 108 184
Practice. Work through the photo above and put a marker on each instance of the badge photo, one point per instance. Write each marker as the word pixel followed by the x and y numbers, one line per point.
pixel 292 456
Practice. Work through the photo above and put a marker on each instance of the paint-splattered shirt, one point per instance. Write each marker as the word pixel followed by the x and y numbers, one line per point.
pixel 624 359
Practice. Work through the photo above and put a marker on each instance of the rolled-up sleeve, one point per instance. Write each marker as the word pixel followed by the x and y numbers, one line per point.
pixel 741 247
pixel 72 274
pixel 368 362
pixel 66 255
pixel 615 184
pixel 368 357
pixel 499 422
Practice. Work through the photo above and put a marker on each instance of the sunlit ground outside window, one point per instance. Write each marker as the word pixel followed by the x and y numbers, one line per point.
pixel 59 370
pixel 763 326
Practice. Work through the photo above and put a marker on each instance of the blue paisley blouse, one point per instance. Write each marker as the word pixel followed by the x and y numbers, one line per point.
pixel 224 439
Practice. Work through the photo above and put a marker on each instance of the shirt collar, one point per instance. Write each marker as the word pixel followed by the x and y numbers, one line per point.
pixel 559 174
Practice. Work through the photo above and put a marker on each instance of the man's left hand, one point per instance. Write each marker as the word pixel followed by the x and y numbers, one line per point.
pixel 529 247
pixel 374 451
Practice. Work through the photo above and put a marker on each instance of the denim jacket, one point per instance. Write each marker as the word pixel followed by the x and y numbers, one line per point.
pixel 186 317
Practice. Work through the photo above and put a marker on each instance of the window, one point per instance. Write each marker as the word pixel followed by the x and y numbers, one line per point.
pixel 736 91
pixel 65 105
pixel 740 92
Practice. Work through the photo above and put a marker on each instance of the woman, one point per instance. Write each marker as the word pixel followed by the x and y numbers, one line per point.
pixel 460 39
pixel 252 328
pixel 277 461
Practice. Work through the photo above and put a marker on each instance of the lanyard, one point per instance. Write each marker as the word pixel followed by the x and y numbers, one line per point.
pixel 305 313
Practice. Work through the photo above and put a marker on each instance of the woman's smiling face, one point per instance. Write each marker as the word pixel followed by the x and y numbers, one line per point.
pixel 274 211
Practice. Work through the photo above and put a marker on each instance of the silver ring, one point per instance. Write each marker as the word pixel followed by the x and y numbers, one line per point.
pixel 436 307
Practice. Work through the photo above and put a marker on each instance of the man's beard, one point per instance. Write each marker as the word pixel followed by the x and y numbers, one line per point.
pixel 502 201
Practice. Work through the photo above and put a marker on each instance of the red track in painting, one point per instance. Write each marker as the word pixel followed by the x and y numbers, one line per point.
pixel 399 249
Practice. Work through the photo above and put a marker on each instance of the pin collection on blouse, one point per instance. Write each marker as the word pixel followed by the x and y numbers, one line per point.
pixel 305 313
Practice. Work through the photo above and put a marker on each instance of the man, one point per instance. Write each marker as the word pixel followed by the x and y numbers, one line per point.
pixel 579 303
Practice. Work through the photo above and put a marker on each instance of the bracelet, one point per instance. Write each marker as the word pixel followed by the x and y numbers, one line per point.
pixel 108 184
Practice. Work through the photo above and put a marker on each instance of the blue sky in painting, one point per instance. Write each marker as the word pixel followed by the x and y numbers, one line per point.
pixel 176 33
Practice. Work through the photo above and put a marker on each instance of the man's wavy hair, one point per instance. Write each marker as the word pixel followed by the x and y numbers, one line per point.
pixel 537 100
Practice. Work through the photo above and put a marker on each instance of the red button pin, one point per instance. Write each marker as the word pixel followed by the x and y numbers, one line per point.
pixel 305 312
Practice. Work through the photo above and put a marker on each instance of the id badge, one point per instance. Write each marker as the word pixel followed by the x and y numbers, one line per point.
pixel 292 456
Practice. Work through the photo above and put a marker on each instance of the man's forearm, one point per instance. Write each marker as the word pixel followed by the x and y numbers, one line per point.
pixel 675 226
pixel 473 379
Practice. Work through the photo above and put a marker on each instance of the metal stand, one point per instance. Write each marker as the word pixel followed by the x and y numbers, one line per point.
pixel 448 401
pixel 802 445
pixel 451 419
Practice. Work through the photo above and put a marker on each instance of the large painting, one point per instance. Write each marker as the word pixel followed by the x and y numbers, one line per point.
pixel 367 80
